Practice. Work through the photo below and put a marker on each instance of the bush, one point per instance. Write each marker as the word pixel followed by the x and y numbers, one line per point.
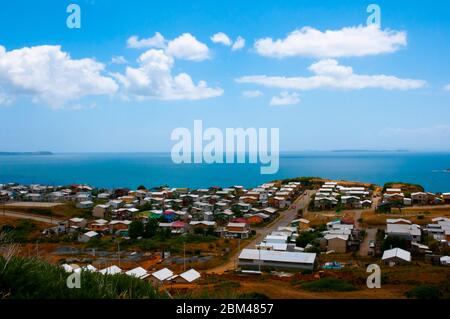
pixel 328 284
pixel 22 278
pixel 424 292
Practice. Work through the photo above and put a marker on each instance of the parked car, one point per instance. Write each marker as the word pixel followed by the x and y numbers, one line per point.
pixel 372 244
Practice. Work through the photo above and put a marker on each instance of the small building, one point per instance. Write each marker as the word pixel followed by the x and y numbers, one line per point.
pixel 138 272
pixel 187 277
pixel 162 275
pixel 84 238
pixel 255 259
pixel 338 243
pixel 111 270
pixel 100 211
pixel 396 256
pixel 237 230
pixel 87 204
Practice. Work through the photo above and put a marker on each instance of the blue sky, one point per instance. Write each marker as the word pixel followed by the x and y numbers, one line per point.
pixel 73 98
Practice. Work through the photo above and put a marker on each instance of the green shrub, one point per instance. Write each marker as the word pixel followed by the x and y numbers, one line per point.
pixel 424 292
pixel 22 278
pixel 328 284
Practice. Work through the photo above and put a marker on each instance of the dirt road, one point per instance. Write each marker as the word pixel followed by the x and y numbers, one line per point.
pixel 44 219
pixel 284 220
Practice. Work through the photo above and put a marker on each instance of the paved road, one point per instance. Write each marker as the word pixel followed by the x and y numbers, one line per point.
pixel 38 218
pixel 284 220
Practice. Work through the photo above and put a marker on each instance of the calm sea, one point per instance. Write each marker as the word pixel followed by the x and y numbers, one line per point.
pixel 155 169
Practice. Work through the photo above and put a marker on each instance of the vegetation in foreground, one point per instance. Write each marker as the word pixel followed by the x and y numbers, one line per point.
pixel 22 278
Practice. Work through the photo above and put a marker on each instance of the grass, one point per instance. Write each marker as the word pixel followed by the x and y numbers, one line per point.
pixel 328 284
pixel 22 278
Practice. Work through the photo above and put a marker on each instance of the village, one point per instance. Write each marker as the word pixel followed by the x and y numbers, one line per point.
pixel 180 240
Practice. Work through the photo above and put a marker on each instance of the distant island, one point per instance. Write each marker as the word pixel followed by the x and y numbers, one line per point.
pixel 26 153
pixel 369 151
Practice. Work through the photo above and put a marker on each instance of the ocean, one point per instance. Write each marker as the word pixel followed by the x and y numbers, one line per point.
pixel 112 170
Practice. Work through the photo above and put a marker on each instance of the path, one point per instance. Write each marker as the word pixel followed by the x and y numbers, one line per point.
pixel 43 219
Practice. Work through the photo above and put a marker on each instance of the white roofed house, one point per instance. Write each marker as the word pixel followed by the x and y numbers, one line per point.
pixel 419 198
pixel 84 238
pixel 410 233
pixel 396 256
pixel 87 204
pixel 138 272
pixel 325 202
pixel 237 230
pixel 187 277
pixel 77 222
pixel 255 259
pixel 162 275
pixel 336 242
pixel 111 270
pixel 350 201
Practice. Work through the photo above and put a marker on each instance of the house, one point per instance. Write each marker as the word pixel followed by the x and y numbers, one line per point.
pixel 187 277
pixel 162 275
pixel 100 211
pixel 446 197
pixel 111 270
pixel 301 223
pixel 338 243
pixel 411 233
pixel 237 230
pixel 393 198
pixel 255 219
pixel 276 239
pixel 396 256
pixel 138 272
pixel 119 225
pixel 87 204
pixel 255 259
pixel 77 222
pixel 445 260
pixel 178 227
pixel 419 198
pixel 84 238
pixel 351 201
pixel 325 202
pixel 196 224
pixel 99 225
pixel 393 190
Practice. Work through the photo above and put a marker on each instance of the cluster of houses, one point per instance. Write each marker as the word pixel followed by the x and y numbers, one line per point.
pixel 330 194
pixel 396 196
pixel 229 212
pixel 412 234
pixel 159 277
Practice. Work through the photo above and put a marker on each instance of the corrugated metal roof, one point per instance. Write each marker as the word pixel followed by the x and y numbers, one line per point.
pixel 280 256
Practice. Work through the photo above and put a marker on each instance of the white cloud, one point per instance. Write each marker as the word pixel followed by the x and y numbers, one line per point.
pixel 222 38
pixel 238 44
pixel 330 74
pixel 447 87
pixel 118 59
pixel 153 79
pixel 285 98
pixel 187 47
pixel 252 94
pixel 50 76
pixel 157 41
pixel 346 42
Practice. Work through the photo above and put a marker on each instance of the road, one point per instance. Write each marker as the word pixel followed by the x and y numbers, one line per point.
pixel 38 218
pixel 283 220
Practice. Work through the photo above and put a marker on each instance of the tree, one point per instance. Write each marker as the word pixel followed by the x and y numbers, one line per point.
pixel 151 228
pixel 136 229
pixel 141 187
